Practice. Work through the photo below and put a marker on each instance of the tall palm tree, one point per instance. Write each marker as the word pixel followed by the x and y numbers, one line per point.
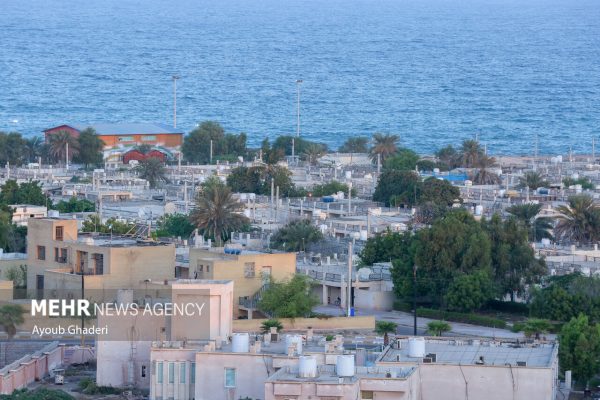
pixel 296 235
pixel 312 153
pixel 11 316
pixel 34 147
pixel 57 145
pixel 384 146
pixel 532 180
pixel 579 220
pixel 217 213
pixel 484 176
pixel 537 227
pixel 385 328
pixel 153 170
pixel 471 152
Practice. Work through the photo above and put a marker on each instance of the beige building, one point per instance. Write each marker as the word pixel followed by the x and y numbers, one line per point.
pixel 123 352
pixel 249 271
pixel 22 213
pixel 58 255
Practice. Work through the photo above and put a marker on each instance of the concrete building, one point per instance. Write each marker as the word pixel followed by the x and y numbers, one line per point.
pixel 22 213
pixel 249 270
pixel 124 353
pixel 456 369
pixel 58 255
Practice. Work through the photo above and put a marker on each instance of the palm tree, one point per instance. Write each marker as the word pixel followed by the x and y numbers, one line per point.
pixel 537 227
pixel 217 213
pixel 579 220
pixel 484 176
pixel 470 153
pixel 153 170
pixel 57 145
pixel 296 235
pixel 312 153
pixel 34 148
pixel 355 145
pixel 385 328
pixel 384 146
pixel 532 180
pixel 437 328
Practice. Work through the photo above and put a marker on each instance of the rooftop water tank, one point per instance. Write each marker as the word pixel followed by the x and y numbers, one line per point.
pixel 240 343
pixel 344 365
pixel 416 347
pixel 53 214
pixel 363 235
pixel 307 367
pixel 294 339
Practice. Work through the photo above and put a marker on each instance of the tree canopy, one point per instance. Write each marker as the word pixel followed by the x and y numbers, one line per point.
pixel 296 236
pixel 196 145
pixel 288 299
pixel 257 180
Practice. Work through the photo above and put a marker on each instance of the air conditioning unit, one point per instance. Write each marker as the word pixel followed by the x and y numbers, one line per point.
pixel 427 360
pixel 433 356
pixel 521 363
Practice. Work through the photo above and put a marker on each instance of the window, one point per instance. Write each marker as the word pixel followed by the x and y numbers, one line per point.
pixel 159 372
pixel 249 270
pixel 193 373
pixel 125 138
pixel 199 267
pixel 149 138
pixel 171 372
pixel 41 252
pixel 56 255
pixel 98 263
pixel 182 373
pixel 58 233
pixel 143 371
pixel 208 268
pixel 229 377
pixel 63 256
pixel 366 395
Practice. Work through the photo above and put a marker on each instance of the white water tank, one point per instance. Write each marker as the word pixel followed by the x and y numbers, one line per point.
pixel 53 214
pixel 416 347
pixel 307 367
pixel 478 209
pixel 363 235
pixel 294 339
pixel 348 174
pixel 344 365
pixel 240 343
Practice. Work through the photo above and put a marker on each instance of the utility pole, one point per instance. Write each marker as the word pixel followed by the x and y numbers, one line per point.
pixel 415 299
pixel 293 149
pixel 211 151
pixel 349 296
pixel 349 197
pixel 594 150
pixel 67 155
pixel 368 222
pixel 298 83
pixel 175 78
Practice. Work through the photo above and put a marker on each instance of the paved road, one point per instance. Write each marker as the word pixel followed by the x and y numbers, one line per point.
pixel 405 324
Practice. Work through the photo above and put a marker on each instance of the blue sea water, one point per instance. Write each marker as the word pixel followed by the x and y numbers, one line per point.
pixel 432 71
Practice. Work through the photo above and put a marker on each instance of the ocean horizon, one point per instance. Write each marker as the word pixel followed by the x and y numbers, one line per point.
pixel 432 71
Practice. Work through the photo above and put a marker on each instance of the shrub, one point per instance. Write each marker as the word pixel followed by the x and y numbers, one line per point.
pixel 469 318
pixel 271 323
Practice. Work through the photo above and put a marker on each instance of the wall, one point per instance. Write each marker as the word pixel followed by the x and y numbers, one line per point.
pixel 170 140
pixel 333 323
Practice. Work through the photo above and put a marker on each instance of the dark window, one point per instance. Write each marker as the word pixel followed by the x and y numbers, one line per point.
pixel 63 256
pixel 41 252
pixel 56 254
pixel 98 263
pixel 59 233
pixel 143 371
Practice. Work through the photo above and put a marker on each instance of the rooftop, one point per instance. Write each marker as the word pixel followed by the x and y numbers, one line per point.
pixel 127 128
pixel 469 351
pixel 327 374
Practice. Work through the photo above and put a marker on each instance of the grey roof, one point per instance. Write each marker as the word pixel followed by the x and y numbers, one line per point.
pixel 468 352
pixel 129 128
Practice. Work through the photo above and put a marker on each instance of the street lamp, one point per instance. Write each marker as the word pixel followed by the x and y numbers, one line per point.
pixel 298 83
pixel 175 78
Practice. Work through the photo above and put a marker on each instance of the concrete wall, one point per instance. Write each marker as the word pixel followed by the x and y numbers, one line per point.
pixel 182 387
pixel 333 323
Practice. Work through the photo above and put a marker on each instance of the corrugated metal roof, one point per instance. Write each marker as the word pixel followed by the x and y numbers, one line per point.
pixel 142 128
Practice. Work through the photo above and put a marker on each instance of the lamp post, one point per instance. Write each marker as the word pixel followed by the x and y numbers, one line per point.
pixel 298 83
pixel 415 299
pixel 175 78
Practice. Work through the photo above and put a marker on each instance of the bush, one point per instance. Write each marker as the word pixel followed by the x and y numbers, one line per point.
pixel 400 305
pixel 469 318
pixel 266 326
pixel 88 386
pixel 511 307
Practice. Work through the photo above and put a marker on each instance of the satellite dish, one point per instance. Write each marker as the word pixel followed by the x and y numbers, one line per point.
pixel 170 208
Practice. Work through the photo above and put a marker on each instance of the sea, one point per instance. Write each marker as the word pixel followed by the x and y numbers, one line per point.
pixel 511 73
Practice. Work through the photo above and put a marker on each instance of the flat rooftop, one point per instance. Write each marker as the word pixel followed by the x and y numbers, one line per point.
pixel 327 374
pixel 469 351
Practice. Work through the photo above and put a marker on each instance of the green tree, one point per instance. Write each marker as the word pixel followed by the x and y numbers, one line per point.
pixel 579 349
pixel 283 145
pixel 258 180
pixel 438 191
pixel 24 193
pixel 584 181
pixel 13 149
pixel 196 145
pixel 312 153
pixel 532 180
pixel 217 213
pixel 296 236
pixel 438 328
pixel 18 275
pixel 75 205
pixel 271 155
pixel 112 226
pixel 470 153
pixel 448 158
pixel 385 328
pixel 579 220
pixel 536 327
pixel 57 146
pixel 329 188
pixel 288 299
pixel 153 170
pixel 37 394
pixel 34 148
pixel 174 225
pixel 355 145
pixel 470 292
pixel 527 214
pixel 484 176
pixel 395 188
pixel 90 148
pixel 11 316
pixel 404 159
pixel 384 146
pixel 385 247
pixel 554 303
